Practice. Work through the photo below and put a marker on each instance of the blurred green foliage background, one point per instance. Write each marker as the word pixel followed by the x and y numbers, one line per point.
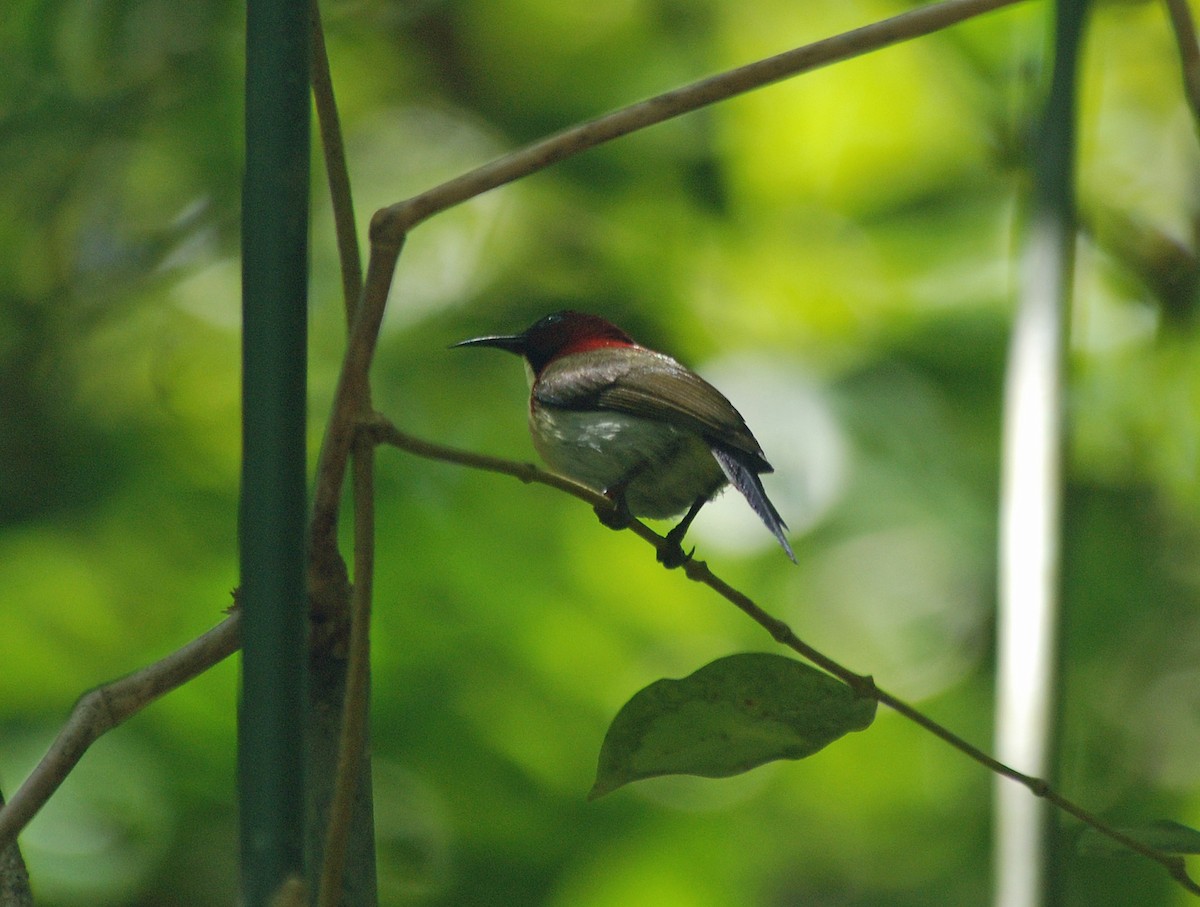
pixel 836 252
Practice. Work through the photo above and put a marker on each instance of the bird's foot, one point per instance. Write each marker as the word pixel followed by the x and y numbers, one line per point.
pixel 671 553
pixel 617 516
pixel 670 550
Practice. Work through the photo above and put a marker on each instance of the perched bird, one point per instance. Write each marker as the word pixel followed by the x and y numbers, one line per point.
pixel 634 424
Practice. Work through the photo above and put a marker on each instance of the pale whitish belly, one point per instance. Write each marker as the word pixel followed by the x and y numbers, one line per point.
pixel 669 468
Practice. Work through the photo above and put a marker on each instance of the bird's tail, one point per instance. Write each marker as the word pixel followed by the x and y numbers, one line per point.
pixel 746 480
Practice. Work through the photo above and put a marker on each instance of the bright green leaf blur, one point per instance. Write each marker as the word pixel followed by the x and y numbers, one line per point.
pixel 835 252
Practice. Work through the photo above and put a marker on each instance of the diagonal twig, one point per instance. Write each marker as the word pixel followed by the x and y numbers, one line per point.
pixel 394 221
pixel 102 709
pixel 14 877
pixel 384 432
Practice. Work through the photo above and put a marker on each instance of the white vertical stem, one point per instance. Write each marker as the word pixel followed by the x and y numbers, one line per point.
pixel 1030 501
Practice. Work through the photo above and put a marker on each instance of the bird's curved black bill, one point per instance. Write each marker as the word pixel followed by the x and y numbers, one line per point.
pixel 513 343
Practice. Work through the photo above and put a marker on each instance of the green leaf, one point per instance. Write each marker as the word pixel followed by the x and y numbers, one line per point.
pixel 727 718
pixel 1162 834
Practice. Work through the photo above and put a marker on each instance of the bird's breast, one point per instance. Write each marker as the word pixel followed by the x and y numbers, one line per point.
pixel 661 467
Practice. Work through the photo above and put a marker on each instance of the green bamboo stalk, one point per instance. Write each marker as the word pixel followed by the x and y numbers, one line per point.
pixel 272 514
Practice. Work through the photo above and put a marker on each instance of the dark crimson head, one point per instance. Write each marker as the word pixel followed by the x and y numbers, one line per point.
pixel 555 335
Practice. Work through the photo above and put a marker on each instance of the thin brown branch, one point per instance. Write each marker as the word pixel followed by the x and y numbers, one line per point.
pixel 384 432
pixel 1189 51
pixel 352 741
pixel 349 399
pixel 390 223
pixel 14 877
pixel 337 173
pixel 352 744
pixel 104 708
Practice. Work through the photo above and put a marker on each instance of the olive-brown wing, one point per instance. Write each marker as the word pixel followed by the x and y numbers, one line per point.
pixel 641 382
